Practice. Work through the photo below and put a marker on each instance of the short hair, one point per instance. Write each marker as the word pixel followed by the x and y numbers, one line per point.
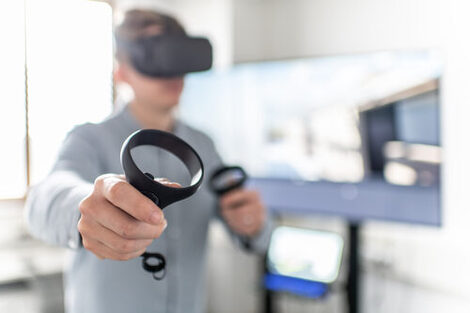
pixel 136 24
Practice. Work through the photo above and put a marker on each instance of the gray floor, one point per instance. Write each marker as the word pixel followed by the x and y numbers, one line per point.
pixel 233 285
pixel 40 295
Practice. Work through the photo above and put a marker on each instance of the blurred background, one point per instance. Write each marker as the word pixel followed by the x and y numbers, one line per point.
pixel 350 117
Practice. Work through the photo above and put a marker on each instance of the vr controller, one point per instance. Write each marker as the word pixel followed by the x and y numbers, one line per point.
pixel 166 56
pixel 223 180
pixel 227 178
pixel 160 194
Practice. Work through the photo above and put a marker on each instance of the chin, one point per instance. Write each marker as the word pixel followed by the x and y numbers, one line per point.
pixel 169 104
pixel 172 105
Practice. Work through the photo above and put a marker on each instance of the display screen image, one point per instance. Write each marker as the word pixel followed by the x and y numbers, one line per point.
pixel 371 118
pixel 305 254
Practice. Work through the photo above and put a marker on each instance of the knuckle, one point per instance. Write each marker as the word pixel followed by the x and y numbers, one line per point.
pixel 99 181
pixel 87 244
pixel 127 246
pixel 84 205
pixel 116 189
pixel 127 230
pixel 81 226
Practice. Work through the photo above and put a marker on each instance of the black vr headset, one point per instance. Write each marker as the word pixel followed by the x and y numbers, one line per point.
pixel 166 56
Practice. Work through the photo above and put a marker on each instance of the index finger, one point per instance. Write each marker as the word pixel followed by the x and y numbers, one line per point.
pixel 123 195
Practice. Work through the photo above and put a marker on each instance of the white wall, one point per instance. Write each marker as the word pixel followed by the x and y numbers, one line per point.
pixel 283 29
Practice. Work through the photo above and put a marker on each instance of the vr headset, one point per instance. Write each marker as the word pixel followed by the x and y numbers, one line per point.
pixel 166 56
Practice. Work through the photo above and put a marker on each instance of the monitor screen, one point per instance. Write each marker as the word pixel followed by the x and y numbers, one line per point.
pixel 305 254
pixel 329 121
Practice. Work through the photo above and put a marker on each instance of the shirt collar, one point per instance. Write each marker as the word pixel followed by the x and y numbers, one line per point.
pixel 134 124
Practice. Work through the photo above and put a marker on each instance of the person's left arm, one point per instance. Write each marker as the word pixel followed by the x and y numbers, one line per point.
pixel 244 212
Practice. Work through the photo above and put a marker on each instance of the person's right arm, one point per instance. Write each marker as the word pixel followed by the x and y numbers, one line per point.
pixel 115 220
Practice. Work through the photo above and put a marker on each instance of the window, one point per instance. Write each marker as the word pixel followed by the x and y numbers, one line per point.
pixel 12 105
pixel 68 49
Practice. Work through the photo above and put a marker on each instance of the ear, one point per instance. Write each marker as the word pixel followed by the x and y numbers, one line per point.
pixel 121 73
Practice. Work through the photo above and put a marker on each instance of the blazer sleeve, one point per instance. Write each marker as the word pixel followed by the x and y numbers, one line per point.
pixel 51 209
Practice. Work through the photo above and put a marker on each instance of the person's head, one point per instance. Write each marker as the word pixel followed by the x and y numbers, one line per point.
pixel 154 93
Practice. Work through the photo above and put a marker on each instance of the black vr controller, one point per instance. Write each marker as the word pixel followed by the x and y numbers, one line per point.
pixel 160 194
pixel 165 56
pixel 227 178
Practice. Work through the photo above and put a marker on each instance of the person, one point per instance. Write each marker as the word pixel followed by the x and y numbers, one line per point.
pixel 86 204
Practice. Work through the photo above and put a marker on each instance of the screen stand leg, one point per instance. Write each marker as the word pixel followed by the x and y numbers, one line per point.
pixel 354 276
pixel 268 295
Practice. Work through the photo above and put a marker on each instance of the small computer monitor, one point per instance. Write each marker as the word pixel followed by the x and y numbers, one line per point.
pixel 305 254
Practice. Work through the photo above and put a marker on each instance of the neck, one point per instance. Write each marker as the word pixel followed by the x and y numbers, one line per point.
pixel 161 119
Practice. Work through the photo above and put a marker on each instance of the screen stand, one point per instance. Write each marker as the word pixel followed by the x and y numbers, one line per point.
pixel 268 296
pixel 354 276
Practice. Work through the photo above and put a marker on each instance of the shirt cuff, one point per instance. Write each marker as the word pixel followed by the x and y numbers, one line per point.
pixel 260 242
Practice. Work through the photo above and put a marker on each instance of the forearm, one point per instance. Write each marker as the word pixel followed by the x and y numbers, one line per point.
pixel 52 208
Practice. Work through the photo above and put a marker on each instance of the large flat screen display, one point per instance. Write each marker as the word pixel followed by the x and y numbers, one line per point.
pixel 351 135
